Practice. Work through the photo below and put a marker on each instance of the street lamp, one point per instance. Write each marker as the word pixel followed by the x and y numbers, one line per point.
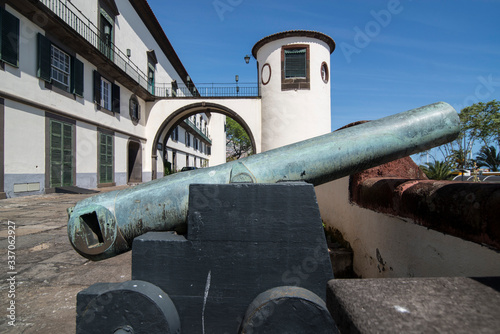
pixel 247 59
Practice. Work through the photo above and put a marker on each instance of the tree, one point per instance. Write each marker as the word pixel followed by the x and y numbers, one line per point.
pixel 488 157
pixel 479 122
pixel 437 170
pixel 238 143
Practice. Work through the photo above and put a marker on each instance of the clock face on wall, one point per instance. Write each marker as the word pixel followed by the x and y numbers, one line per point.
pixel 324 72
pixel 265 74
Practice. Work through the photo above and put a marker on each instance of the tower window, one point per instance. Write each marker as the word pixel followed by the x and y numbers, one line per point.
pixel 295 73
pixel 295 63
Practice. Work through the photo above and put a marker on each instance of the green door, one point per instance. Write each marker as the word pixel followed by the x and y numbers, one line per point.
pixel 106 159
pixel 61 154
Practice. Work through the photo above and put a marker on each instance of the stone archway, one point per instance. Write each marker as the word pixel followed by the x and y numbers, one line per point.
pixel 176 117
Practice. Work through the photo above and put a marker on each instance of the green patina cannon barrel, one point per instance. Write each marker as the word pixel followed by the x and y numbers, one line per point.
pixel 105 225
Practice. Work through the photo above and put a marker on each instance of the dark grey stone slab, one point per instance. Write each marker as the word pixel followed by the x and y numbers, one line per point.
pixel 415 305
pixel 254 212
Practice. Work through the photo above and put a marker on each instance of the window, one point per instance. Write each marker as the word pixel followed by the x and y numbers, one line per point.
pixel 60 65
pixel 325 76
pixel 152 61
pixel 134 109
pixel 105 158
pixel 151 80
pixel 175 87
pixel 57 67
pixel 196 143
pixel 106 93
pixel 188 139
pixel 106 23
pixel 9 38
pixel 61 154
pixel 295 67
pixel 175 134
pixel 295 63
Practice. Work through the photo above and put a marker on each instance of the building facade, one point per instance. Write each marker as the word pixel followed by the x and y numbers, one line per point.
pixel 94 95
pixel 78 81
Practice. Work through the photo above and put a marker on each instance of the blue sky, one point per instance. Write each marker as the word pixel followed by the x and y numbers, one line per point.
pixel 391 55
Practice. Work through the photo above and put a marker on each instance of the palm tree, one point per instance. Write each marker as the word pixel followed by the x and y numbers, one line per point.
pixel 488 157
pixel 437 170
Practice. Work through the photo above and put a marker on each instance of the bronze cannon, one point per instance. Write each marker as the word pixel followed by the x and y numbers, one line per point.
pixel 105 225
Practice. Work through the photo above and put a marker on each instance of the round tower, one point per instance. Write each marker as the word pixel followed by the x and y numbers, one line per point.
pixel 294 82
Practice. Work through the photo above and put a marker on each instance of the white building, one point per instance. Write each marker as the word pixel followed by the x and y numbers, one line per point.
pixel 79 80
pixel 93 94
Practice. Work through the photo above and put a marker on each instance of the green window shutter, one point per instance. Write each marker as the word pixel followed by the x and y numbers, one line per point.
pixel 106 158
pixel 76 77
pixel 97 88
pixel 67 155
pixel 295 63
pixel 61 154
pixel 9 46
pixel 44 66
pixel 115 99
pixel 55 154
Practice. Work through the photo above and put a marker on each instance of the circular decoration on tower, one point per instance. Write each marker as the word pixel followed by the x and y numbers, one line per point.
pixel 265 74
pixel 324 72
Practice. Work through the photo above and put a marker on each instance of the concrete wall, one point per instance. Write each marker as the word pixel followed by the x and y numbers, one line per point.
pixel 391 246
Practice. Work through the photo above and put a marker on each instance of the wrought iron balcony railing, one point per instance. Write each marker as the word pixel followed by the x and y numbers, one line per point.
pixel 91 33
pixel 207 90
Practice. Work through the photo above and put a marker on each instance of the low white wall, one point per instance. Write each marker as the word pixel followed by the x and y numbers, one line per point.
pixel 389 246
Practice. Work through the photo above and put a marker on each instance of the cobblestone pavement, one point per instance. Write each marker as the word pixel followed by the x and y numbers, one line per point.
pixel 46 272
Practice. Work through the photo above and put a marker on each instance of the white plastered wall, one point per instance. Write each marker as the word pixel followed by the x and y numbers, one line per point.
pixel 24 139
pixel 86 155
pixel 389 246
pixel 294 115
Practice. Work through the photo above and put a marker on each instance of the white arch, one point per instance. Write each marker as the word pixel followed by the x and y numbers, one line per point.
pixel 163 114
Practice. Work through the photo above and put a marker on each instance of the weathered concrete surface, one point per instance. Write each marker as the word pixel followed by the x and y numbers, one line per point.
pixel 49 272
pixel 415 305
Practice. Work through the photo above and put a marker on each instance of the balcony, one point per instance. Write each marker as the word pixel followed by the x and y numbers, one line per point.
pixel 198 131
pixel 217 90
pixel 63 20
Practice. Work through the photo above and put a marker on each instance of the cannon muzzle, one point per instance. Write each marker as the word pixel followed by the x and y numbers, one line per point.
pixel 105 225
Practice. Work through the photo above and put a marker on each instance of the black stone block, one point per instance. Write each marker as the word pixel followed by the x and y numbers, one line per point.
pixel 242 240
